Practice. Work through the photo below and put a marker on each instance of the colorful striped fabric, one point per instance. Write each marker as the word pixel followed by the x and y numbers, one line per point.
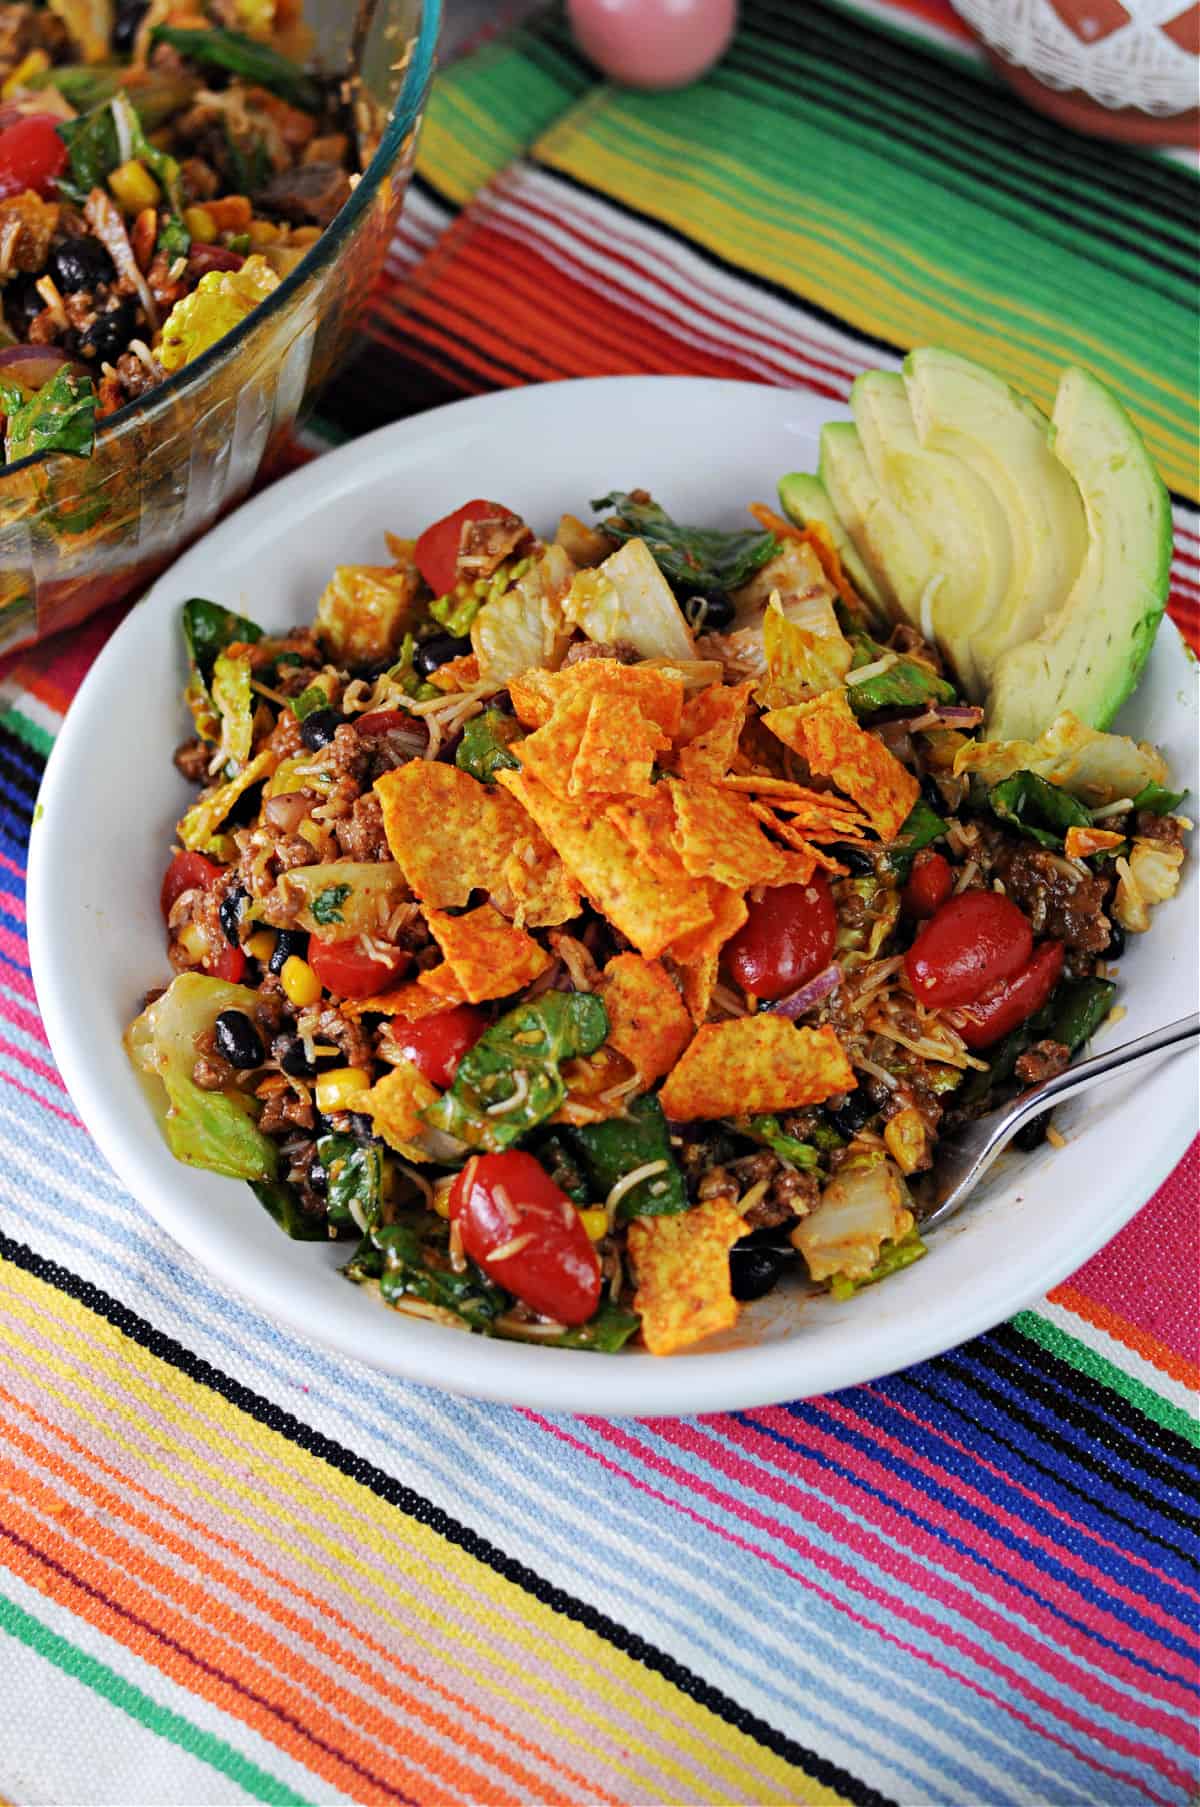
pixel 234 1568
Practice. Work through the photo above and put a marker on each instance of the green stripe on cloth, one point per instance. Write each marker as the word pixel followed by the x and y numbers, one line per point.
pixel 1086 1361
pixel 28 731
pixel 148 1714
pixel 489 108
pixel 915 203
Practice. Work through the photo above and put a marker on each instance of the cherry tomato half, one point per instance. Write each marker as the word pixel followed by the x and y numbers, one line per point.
pixel 229 964
pixel 500 1199
pixel 382 721
pixel 31 155
pixel 185 873
pixel 929 884
pixel 788 937
pixel 348 972
pixel 1006 1006
pixel 436 552
pixel 437 1044
pixel 975 940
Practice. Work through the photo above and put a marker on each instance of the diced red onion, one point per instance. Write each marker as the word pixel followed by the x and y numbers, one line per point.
pixel 287 812
pixel 962 715
pixel 31 365
pixel 797 1002
pixel 203 258
pixel 951 715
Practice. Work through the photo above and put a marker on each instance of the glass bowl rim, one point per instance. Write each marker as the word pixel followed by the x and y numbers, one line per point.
pixel 401 120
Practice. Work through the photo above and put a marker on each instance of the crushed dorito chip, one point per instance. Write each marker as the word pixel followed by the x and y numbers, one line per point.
pixel 486 956
pixel 755 1063
pixel 616 749
pixel 657 693
pixel 648 824
pixel 696 980
pixel 452 835
pixel 456 674
pixel 681 1265
pixel 726 913
pixel 717 835
pixel 806 651
pixel 825 732
pixel 649 909
pixel 712 723
pixel 364 610
pixel 1081 843
pixel 410 1002
pixel 647 1021
pixel 394 1105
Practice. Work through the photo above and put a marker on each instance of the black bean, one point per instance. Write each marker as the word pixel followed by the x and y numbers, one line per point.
pixel 319 728
pixel 438 651
pixel 1033 1133
pixel 287 943
pixel 246 808
pixel 1116 940
pixel 861 864
pixel 318 1179
pixel 238 1040
pixel 753 1272
pixel 22 304
pixel 129 15
pixel 931 792
pixel 289 1052
pixel 81 263
pixel 231 913
pixel 710 614
pixel 109 333
pixel 850 1117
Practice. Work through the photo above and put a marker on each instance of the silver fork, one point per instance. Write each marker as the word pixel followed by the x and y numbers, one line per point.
pixel 964 1156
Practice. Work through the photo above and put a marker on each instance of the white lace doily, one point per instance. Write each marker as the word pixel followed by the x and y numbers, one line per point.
pixel 1116 51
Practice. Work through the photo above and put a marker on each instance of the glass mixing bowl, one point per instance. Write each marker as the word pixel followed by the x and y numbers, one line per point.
pixel 77 533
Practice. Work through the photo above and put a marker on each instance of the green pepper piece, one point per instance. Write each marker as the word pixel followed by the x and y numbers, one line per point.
pixel 1080 1006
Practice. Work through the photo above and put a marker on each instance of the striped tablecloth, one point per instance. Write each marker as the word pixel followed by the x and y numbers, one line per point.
pixel 235 1568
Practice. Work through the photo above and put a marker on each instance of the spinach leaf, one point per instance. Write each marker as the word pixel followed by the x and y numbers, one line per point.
pixel 58 417
pixel 696 560
pixel 920 828
pixel 215 47
pixel 892 1257
pixel 283 1203
pixel 93 152
pixel 605 1333
pixel 1040 811
pixel 1158 801
pixel 518 1060
pixel 767 1129
pixel 563 1168
pixel 249 163
pixel 611 1150
pixel 308 702
pixel 483 749
pixel 326 906
pixel 354 1194
pixel 85 85
pixel 906 684
pixel 409 1259
pixel 209 629
pixel 1079 1008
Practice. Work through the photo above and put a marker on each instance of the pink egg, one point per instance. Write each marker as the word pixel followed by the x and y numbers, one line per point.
pixel 653 43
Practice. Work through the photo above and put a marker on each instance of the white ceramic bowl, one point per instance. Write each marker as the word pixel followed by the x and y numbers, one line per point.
pixel 111 797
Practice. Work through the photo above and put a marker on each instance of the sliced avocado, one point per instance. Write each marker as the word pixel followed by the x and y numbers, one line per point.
pixel 896 554
pixel 958 512
pixel 960 407
pixel 1091 650
pixel 805 500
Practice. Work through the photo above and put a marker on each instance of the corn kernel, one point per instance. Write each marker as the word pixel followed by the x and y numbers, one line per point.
pixel 441 1194
pixel 300 982
pixel 193 941
pixel 313 833
pixel 261 945
pixel 304 235
pixel 200 223
pixel 262 232
pixel 36 63
pixel 336 1090
pixel 595 1222
pixel 134 187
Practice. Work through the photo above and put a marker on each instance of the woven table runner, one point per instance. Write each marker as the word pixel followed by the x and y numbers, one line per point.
pixel 236 1568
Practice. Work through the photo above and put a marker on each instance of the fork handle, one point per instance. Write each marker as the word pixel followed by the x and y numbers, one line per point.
pixel 1101 1066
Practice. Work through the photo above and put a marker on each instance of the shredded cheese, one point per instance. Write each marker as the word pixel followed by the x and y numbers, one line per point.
pixel 517 1099
pixel 628 1181
pixel 507 1250
pixel 1118 808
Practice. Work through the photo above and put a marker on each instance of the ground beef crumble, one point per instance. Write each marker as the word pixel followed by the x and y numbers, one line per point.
pixel 1045 1060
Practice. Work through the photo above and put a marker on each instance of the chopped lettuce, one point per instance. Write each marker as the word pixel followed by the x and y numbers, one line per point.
pixel 354 896
pixel 1040 811
pixel 1158 800
pixel 483 749
pixel 864 1206
pixel 95 149
pixel 906 684
pixel 510 1081
pixel 309 701
pixel 769 1131
pixel 208 629
pixel 805 651
pixel 892 1257
pixel 920 828
pixel 197 828
pixel 234 700
pixel 694 560
pixel 620 1146
pixel 1095 767
pixel 628 598
pixel 58 417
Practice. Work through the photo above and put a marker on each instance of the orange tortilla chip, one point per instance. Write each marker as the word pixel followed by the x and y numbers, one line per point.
pixel 681 1265
pixel 828 736
pixel 456 674
pixel 451 835
pixel 486 955
pixel 717 836
pixel 696 979
pixel 1080 842
pixel 411 1002
pixel 616 749
pixel 711 728
pixel 647 1021
pixel 727 913
pixel 394 1105
pixel 648 825
pixel 649 909
pixel 755 1063
pixel 658 694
